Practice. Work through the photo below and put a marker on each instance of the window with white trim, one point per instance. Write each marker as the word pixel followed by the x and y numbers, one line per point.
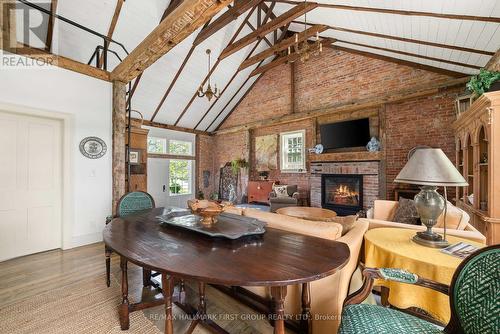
pixel 293 157
pixel 180 147
pixel 157 145
pixel 180 177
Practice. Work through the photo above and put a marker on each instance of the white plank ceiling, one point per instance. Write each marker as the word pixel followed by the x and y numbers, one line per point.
pixel 138 18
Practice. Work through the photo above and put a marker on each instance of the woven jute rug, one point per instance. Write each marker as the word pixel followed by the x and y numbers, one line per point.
pixel 87 306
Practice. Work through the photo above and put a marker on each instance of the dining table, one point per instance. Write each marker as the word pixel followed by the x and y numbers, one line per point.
pixel 275 259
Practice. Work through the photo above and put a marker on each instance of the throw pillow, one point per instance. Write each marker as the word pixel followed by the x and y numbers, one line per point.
pixel 280 191
pixel 347 222
pixel 406 212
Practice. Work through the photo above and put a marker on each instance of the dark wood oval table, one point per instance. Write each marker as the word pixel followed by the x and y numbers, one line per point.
pixel 276 259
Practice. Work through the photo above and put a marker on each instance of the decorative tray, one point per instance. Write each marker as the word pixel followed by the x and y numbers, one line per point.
pixel 228 225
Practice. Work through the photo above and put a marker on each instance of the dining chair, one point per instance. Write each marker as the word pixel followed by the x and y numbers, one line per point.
pixel 130 203
pixel 474 300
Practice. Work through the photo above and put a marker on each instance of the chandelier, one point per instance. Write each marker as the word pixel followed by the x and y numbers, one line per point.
pixel 304 49
pixel 209 93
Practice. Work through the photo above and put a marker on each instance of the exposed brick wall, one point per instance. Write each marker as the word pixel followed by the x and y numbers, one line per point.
pixel 424 121
pixel 334 78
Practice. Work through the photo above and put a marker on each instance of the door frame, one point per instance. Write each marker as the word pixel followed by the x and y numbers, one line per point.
pixel 67 187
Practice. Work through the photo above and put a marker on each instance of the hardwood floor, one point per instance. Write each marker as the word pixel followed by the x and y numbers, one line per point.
pixel 29 276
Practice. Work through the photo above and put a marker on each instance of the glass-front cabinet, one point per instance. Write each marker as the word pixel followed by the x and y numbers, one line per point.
pixel 477 138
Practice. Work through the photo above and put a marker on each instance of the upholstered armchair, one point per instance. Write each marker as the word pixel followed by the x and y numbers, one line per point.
pixel 283 202
pixel 474 300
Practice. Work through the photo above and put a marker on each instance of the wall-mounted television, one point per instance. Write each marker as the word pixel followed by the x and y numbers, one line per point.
pixel 355 133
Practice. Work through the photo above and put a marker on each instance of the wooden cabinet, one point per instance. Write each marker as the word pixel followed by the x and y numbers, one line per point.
pixel 139 170
pixel 477 135
pixel 258 191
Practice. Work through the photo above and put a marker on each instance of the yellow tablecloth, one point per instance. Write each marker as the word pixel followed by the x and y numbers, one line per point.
pixel 393 248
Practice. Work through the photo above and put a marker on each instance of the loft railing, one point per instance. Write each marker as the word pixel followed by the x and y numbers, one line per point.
pixel 101 50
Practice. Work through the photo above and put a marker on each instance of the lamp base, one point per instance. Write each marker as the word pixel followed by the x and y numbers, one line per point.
pixel 432 239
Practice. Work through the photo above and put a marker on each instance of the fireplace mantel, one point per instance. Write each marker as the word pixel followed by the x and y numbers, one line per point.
pixel 345 156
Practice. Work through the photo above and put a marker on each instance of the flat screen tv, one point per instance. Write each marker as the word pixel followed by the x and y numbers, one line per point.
pixel 354 133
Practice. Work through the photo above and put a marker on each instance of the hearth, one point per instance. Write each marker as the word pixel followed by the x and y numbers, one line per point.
pixel 342 193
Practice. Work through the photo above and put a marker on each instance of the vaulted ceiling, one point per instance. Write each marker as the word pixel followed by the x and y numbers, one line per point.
pixel 458 36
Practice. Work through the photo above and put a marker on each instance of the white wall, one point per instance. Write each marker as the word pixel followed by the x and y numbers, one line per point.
pixel 89 102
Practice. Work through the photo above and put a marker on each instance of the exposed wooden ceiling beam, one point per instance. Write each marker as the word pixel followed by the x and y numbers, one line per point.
pixel 283 45
pixel 175 128
pixel 50 26
pixel 283 34
pixel 227 85
pixel 237 103
pixel 62 62
pixel 357 104
pixel 265 29
pixel 235 35
pixel 404 12
pixel 494 63
pixel 230 15
pixel 174 80
pixel 407 53
pixel 279 61
pixel 179 24
pixel 111 30
pixel 408 40
pixel 400 62
pixel 171 6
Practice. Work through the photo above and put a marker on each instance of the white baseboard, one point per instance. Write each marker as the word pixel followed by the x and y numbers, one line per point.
pixel 86 239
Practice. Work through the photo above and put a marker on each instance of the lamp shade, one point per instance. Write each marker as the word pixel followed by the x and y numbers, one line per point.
pixel 430 167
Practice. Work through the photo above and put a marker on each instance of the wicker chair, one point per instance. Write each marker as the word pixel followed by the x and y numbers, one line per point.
pixel 474 300
pixel 130 203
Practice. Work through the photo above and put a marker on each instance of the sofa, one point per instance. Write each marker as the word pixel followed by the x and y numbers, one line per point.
pixel 327 294
pixel 283 202
pixel 457 221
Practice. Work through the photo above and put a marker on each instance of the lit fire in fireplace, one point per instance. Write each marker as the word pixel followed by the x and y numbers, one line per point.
pixel 344 195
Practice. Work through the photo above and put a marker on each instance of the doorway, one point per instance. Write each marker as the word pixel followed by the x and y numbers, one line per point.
pixel 31 187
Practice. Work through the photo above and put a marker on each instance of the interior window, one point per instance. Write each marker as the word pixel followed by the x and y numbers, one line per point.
pixel 293 151
pixel 180 147
pixel 180 177
pixel 157 145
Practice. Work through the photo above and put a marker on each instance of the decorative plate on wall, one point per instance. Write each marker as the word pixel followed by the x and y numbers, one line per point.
pixel 93 147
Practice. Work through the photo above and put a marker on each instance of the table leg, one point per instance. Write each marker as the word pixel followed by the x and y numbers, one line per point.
pixel 306 318
pixel 384 296
pixel 279 293
pixel 167 283
pixel 124 307
pixel 182 292
pixel 146 277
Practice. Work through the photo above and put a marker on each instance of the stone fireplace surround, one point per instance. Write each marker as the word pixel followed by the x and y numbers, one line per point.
pixel 369 170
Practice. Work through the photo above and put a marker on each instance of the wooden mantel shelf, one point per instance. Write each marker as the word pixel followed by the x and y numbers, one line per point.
pixel 345 156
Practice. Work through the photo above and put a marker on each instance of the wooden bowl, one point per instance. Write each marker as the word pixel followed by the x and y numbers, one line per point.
pixel 207 210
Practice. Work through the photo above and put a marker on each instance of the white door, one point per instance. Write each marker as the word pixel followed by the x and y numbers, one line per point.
pixel 30 185
pixel 162 187
pixel 158 180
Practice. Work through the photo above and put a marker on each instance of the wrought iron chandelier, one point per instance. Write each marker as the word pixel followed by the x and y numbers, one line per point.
pixel 209 93
pixel 304 49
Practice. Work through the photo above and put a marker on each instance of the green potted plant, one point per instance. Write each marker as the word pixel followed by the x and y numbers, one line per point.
pixel 485 81
pixel 236 164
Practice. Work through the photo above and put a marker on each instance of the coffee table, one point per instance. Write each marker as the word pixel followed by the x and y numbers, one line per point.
pixel 250 261
pixel 308 213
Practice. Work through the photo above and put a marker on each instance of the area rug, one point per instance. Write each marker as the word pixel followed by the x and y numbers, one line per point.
pixel 87 307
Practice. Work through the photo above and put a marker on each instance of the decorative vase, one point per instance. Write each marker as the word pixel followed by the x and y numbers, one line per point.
pixel 430 205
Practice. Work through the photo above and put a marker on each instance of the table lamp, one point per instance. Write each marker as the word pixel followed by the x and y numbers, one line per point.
pixel 430 168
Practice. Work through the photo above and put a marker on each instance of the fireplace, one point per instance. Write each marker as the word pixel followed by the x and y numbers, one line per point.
pixel 342 193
